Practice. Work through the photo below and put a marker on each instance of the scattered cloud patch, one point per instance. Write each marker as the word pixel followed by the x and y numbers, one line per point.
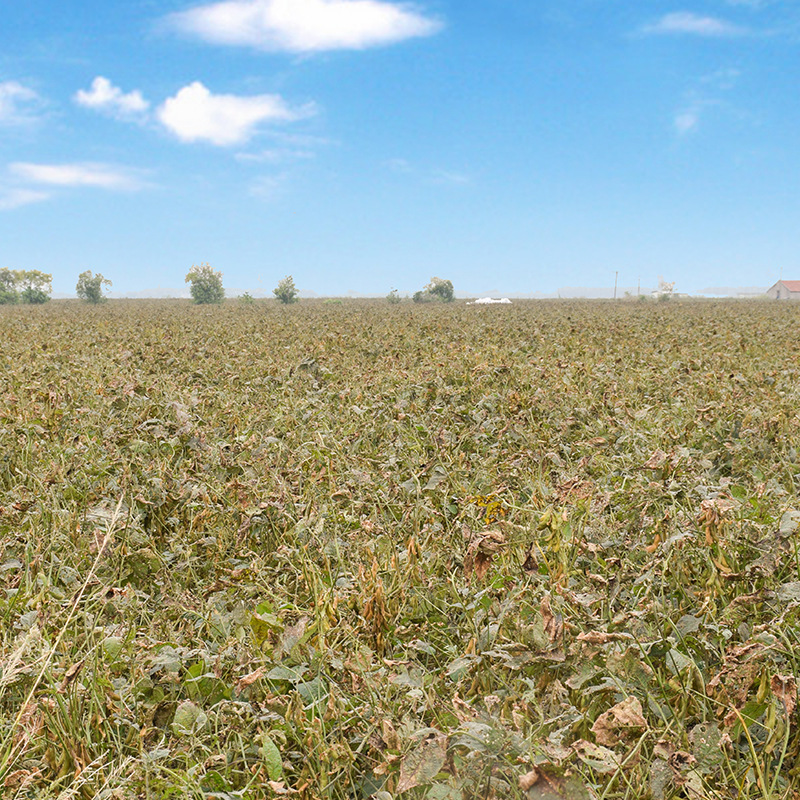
pixel 450 178
pixel 754 4
pixel 104 96
pixel 99 176
pixel 194 114
pixel 17 103
pixel 11 198
pixel 687 121
pixel 688 23
pixel 275 156
pixel 267 187
pixel 399 165
pixel 709 95
pixel 437 175
pixel 305 26
pixel 721 79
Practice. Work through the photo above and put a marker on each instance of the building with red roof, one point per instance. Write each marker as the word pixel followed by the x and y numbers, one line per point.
pixel 785 290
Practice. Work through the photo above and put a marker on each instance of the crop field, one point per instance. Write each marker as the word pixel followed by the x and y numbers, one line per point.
pixel 347 551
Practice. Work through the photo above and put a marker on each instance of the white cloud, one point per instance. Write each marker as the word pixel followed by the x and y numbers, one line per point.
pixel 436 175
pixel 274 156
pixel 687 121
pixel 450 178
pixel 305 26
pixel 685 22
pixel 16 102
pixel 194 114
pixel 104 96
pixel 100 176
pixel 267 187
pixel 16 198
pixel 708 96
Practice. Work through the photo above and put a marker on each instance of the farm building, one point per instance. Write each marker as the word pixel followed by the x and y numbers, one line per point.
pixel 785 290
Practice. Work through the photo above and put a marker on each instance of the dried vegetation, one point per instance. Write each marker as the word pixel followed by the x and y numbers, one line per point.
pixel 542 551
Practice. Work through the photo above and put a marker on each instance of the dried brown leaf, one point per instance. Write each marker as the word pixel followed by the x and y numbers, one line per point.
pixel 481 550
pixel 784 688
pixel 553 623
pixel 250 679
pixel 619 722
pixel 423 763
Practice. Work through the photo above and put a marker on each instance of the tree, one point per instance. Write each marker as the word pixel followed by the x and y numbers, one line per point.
pixel 206 285
pixel 286 291
pixel 8 287
pixel 36 286
pixel 393 298
pixel 438 289
pixel 90 287
pixel 441 289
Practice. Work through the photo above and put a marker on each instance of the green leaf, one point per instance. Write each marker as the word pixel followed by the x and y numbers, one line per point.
pixel 272 757
pixel 189 719
pixel 313 691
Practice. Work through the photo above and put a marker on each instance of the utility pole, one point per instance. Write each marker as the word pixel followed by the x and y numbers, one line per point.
pixel 615 284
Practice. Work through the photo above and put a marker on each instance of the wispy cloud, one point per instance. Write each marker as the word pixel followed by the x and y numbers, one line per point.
pixel 707 96
pixel 267 187
pixel 449 177
pixel 18 103
pixel 11 198
pixel 104 96
pixel 194 114
pixel 275 156
pixel 99 176
pixel 437 175
pixel 688 23
pixel 305 26
pixel 687 120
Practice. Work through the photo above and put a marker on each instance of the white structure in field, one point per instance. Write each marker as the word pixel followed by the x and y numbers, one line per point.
pixel 490 301
pixel 664 288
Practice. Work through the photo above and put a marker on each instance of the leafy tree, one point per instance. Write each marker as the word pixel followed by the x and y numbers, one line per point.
pixel 8 287
pixel 90 287
pixel 36 286
pixel 393 297
pixel 438 289
pixel 286 291
pixel 206 285
pixel 441 289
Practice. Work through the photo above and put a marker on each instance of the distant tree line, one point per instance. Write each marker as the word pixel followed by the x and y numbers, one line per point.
pixel 34 287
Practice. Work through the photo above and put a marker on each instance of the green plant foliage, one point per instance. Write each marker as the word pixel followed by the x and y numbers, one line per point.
pixel 34 296
pixel 90 287
pixel 286 292
pixel 27 286
pixel 206 285
pixel 8 287
pixel 342 553
pixel 393 298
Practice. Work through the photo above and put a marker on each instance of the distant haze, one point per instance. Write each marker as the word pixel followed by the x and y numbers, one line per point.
pixel 566 292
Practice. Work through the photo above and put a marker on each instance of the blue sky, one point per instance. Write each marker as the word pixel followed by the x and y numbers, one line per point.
pixel 516 145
